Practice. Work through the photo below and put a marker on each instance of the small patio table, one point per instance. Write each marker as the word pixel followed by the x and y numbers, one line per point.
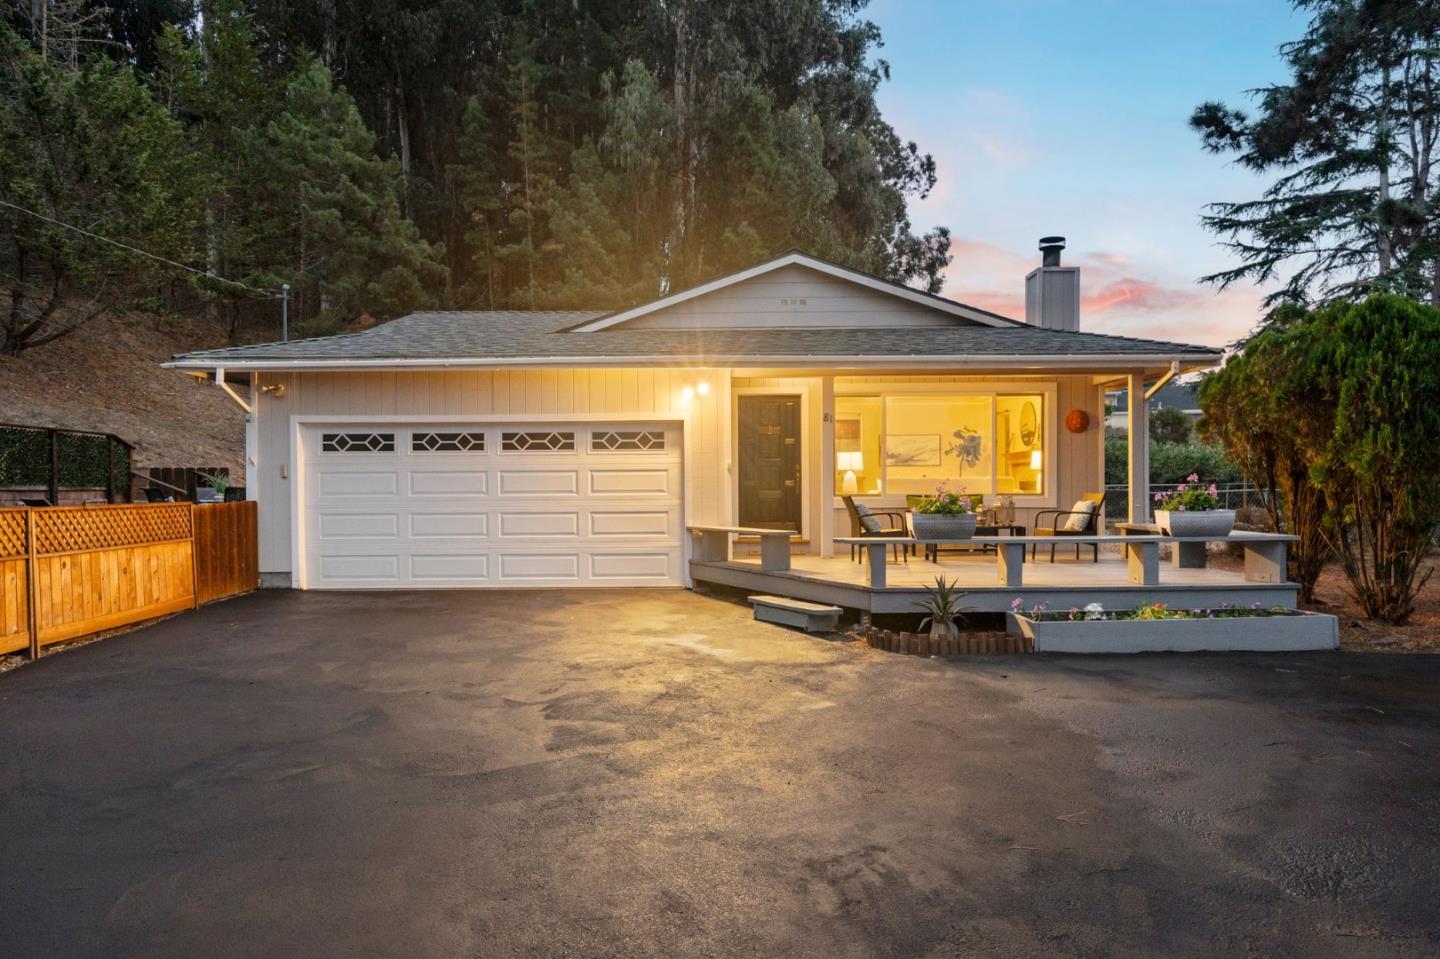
pixel 932 551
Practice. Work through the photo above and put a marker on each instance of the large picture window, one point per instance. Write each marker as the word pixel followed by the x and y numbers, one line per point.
pixel 990 443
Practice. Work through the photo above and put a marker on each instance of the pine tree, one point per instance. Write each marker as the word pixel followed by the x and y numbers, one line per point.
pixel 1353 135
pixel 337 232
pixel 89 147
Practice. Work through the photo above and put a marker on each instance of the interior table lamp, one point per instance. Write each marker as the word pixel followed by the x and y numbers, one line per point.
pixel 849 461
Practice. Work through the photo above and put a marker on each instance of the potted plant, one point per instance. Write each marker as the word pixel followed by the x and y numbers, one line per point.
pixel 948 514
pixel 219 483
pixel 942 602
pixel 1193 510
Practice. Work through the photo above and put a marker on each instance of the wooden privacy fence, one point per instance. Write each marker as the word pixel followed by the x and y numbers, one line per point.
pixel 69 571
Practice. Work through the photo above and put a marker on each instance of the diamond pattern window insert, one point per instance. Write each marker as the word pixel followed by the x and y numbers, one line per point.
pixel 628 440
pixel 447 443
pixel 357 442
pixel 538 441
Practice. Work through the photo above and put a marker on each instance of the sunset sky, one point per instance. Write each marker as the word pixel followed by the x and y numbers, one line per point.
pixel 1047 116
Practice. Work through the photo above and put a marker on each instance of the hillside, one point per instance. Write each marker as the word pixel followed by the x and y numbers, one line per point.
pixel 107 377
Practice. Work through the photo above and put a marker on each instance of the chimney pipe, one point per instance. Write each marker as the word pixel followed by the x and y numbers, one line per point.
pixel 1050 247
pixel 1052 291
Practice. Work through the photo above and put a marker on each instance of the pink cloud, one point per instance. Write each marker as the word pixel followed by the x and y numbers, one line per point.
pixel 1117 295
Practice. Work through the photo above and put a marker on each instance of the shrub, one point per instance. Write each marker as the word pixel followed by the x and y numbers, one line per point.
pixel 1378 459
pixel 1174 462
pixel 1267 419
pixel 1170 425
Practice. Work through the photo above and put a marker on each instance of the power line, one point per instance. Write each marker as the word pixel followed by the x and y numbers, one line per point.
pixel 266 294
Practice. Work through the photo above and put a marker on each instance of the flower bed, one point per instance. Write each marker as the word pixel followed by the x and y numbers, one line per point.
pixel 1157 628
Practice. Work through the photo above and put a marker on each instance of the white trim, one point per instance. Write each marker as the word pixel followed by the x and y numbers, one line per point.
pixel 1050 389
pixel 937 303
pixel 1007 361
pixel 298 423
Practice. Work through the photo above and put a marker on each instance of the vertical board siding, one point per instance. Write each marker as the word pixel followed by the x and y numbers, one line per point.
pixel 628 392
pixel 226 557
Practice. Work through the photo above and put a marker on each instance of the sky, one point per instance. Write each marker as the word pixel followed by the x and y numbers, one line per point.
pixel 1070 117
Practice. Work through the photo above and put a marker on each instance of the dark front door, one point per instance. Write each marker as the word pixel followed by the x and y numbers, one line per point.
pixel 770 462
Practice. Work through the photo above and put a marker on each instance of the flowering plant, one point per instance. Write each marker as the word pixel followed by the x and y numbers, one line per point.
pixel 947 502
pixel 1190 496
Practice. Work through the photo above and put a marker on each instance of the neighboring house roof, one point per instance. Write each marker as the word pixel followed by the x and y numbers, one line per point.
pixel 493 338
pixel 1175 394
pixel 796 258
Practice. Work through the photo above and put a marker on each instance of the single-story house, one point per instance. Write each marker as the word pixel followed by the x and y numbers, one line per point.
pixel 543 448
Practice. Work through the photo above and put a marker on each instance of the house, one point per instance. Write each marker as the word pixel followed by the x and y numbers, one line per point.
pixel 1184 396
pixel 509 448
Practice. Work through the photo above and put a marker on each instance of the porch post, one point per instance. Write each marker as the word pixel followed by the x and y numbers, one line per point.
pixel 1139 444
pixel 827 467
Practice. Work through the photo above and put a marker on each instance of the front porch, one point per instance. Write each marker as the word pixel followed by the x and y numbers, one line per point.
pixel 1060 585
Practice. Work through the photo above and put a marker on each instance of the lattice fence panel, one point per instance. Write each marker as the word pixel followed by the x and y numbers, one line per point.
pixel 69 530
pixel 12 533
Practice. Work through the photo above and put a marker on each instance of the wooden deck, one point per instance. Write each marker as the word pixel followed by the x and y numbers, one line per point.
pixel 1061 585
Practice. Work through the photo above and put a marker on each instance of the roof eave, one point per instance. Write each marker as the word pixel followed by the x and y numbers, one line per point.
pixel 1097 362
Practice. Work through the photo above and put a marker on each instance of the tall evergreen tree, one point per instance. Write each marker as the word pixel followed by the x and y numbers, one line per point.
pixel 86 146
pixel 1353 135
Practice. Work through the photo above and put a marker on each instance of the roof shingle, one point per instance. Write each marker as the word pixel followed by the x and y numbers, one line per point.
pixel 501 334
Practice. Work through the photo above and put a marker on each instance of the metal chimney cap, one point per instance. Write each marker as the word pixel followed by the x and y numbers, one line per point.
pixel 1050 247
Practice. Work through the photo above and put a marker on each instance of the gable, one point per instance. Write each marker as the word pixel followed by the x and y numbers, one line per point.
pixel 796 291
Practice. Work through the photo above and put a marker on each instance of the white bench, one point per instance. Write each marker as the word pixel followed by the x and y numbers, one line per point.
pixel 712 545
pixel 1265 553
pixel 784 611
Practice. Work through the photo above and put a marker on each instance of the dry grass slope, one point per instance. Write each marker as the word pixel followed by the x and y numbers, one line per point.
pixel 107 377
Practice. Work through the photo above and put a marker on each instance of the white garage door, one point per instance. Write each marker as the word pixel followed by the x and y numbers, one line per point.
pixel 473 505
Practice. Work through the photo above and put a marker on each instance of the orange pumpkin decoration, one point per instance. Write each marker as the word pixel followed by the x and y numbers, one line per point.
pixel 1077 421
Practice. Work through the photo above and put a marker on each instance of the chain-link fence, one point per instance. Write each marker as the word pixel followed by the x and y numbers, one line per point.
pixel 1232 496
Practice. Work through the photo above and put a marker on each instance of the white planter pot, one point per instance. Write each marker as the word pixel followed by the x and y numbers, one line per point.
pixel 1203 522
pixel 943 526
pixel 1296 632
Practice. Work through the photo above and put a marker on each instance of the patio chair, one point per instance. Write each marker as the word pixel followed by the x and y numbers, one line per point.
pixel 154 494
pixel 1082 519
pixel 35 502
pixel 867 522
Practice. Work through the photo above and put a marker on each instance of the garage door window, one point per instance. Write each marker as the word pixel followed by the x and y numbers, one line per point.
pixel 541 441
pixel 447 443
pixel 357 442
pixel 634 441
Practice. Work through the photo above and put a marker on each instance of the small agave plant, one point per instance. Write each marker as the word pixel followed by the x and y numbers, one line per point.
pixel 942 602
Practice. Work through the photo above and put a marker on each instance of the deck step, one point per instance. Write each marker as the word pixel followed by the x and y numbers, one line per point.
pixel 784 611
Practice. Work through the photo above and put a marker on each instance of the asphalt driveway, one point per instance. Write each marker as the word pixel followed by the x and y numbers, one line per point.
pixel 649 773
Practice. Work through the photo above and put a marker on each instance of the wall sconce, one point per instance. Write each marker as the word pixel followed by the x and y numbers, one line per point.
pixel 276 390
pixel 1035 460
pixel 703 387
pixel 687 394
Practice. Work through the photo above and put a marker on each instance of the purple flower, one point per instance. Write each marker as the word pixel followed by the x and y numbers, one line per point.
pixel 1016 603
pixel 1193 478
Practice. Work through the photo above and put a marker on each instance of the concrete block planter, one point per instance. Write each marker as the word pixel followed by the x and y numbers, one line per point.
pixel 944 525
pixel 1204 522
pixel 1290 631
